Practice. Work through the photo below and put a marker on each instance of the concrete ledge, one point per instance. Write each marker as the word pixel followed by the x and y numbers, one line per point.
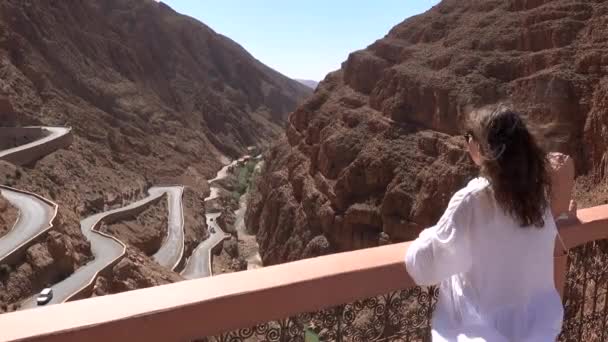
pixel 589 225
pixel 11 137
pixel 182 261
pixel 49 139
pixel 87 290
pixel 210 306
pixel 217 248
pixel 562 178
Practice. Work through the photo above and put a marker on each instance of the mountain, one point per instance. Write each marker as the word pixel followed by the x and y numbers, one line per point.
pixel 309 83
pixel 153 97
pixel 374 155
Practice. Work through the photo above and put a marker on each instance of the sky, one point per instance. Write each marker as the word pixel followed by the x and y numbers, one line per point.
pixel 302 39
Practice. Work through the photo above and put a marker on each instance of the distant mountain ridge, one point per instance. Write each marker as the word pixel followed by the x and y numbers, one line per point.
pixel 375 154
pixel 309 83
pixel 153 97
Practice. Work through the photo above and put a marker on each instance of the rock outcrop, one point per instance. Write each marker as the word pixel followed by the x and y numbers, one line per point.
pixel 134 271
pixel 195 226
pixel 45 263
pixel 373 157
pixel 144 232
pixel 153 97
pixel 8 216
pixel 144 235
pixel 59 252
pixel 228 258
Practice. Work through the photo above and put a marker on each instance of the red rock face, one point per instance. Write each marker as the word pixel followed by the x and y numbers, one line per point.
pixel 8 216
pixel 153 97
pixel 372 155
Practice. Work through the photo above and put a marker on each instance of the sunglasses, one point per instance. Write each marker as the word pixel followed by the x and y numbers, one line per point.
pixel 468 137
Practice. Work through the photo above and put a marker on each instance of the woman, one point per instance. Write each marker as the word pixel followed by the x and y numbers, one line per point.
pixel 492 250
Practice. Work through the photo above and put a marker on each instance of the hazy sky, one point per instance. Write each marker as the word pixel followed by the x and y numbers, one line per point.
pixel 302 39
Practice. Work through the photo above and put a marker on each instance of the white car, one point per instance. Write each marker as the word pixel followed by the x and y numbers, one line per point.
pixel 45 296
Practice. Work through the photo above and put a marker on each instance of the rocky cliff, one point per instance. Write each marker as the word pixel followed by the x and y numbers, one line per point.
pixel 154 97
pixel 8 216
pixel 59 252
pixel 144 232
pixel 373 157
pixel 143 236
pixel 134 271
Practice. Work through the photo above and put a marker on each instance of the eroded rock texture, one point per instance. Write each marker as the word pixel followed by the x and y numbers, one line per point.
pixel 372 157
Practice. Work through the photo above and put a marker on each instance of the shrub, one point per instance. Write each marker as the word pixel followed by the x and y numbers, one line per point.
pixel 4 270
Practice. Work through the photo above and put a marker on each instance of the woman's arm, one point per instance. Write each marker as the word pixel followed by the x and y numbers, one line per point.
pixel 444 249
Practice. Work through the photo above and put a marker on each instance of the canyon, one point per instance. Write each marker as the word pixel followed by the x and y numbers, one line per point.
pixel 153 103
pixel 375 154
pixel 150 98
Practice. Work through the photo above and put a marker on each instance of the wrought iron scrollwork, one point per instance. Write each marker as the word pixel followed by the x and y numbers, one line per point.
pixel 399 316
pixel 586 294
pixel 405 315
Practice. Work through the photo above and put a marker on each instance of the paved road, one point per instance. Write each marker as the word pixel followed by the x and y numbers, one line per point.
pixel 172 249
pixel 223 172
pixel 34 216
pixel 252 256
pixel 214 193
pixel 199 266
pixel 105 251
pixel 54 133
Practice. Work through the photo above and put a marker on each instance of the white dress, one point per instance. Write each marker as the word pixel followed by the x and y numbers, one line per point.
pixel 496 278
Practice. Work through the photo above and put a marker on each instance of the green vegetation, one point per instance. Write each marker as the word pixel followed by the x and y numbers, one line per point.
pixel 310 336
pixel 245 176
pixel 5 270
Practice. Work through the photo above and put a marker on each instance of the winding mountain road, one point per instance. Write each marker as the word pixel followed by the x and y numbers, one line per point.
pixel 35 213
pixel 50 142
pixel 35 216
pixel 107 250
pixel 199 263
pixel 252 254
pixel 172 249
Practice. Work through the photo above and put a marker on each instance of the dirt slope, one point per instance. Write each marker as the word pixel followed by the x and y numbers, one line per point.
pixel 153 97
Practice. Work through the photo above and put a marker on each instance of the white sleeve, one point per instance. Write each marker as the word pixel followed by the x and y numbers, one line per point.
pixel 443 250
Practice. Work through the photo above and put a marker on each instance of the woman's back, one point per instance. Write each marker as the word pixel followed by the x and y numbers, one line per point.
pixel 492 249
pixel 512 260
pixel 497 276
pixel 512 271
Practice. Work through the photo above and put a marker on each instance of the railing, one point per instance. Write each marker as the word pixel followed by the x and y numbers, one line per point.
pixel 382 303
pixel 398 316
pixel 586 293
pixel 585 286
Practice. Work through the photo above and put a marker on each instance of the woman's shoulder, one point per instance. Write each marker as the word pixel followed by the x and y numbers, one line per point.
pixel 477 185
pixel 470 194
pixel 474 188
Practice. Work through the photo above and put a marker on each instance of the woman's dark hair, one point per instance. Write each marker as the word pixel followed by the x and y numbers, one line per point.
pixel 513 162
